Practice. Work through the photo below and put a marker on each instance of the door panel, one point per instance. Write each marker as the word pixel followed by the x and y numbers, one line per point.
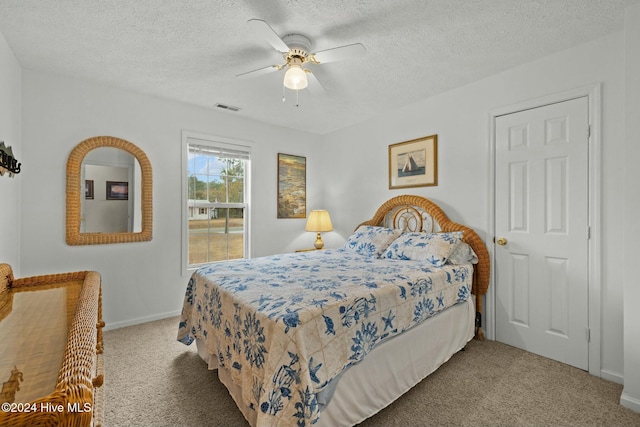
pixel 542 212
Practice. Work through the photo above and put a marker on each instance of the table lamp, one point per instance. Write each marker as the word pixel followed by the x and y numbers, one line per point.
pixel 319 221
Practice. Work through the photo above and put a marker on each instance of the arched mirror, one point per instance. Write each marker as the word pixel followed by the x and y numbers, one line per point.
pixel 109 193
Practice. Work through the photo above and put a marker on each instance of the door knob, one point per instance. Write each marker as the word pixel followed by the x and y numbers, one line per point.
pixel 501 241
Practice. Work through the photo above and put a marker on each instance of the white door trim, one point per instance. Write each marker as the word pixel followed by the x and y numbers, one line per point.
pixel 593 93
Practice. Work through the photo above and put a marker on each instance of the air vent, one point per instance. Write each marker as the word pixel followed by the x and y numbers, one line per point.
pixel 227 107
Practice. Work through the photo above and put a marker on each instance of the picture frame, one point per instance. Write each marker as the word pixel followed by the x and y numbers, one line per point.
pixel 292 186
pixel 88 189
pixel 117 190
pixel 414 163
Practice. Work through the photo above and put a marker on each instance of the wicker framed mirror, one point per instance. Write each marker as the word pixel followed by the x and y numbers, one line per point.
pixel 76 192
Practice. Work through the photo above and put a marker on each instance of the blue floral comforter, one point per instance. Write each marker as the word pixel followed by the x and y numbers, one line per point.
pixel 285 325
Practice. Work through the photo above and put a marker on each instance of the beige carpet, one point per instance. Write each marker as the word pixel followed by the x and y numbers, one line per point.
pixel 153 380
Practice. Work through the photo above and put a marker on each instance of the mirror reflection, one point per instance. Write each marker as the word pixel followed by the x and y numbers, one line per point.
pixel 111 202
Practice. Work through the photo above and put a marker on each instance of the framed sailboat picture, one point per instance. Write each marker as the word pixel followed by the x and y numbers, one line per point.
pixel 414 163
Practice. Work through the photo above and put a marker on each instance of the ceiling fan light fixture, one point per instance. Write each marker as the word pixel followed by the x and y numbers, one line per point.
pixel 295 78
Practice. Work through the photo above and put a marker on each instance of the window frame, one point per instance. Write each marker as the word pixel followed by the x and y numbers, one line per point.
pixel 194 138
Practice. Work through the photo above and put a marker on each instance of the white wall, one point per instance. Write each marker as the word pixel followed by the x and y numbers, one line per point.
pixel 141 281
pixel 10 125
pixel 460 118
pixel 631 393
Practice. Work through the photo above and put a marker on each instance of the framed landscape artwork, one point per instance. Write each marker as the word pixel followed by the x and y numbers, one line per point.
pixel 414 163
pixel 117 190
pixel 292 186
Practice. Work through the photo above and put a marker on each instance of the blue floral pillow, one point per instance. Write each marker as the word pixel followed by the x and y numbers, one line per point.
pixel 371 241
pixel 434 248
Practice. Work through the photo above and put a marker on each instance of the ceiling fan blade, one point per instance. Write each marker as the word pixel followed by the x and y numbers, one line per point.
pixel 339 53
pixel 260 71
pixel 313 84
pixel 264 30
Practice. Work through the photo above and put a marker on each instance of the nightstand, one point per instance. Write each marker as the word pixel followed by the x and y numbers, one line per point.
pixel 307 250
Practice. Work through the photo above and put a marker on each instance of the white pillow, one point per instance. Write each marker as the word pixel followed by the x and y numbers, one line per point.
pixel 462 254
pixel 371 241
pixel 434 248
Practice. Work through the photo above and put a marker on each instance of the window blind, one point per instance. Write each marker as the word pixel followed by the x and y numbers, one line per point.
pixel 220 151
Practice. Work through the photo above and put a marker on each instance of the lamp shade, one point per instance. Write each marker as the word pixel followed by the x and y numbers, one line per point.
pixel 295 78
pixel 318 221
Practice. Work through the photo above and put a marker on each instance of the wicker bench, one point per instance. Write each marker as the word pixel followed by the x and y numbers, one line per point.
pixel 51 366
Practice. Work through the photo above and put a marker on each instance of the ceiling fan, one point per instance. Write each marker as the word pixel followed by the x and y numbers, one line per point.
pixel 296 52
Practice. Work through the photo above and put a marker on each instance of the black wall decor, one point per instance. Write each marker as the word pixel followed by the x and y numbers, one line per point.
pixel 8 164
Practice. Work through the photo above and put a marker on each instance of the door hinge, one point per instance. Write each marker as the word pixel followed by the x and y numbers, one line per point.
pixel 588 131
pixel 587 334
pixel 588 232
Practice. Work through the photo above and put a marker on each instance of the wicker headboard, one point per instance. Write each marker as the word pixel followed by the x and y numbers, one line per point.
pixel 415 213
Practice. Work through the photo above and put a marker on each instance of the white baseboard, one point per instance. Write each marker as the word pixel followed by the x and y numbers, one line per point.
pixel 630 402
pixel 612 376
pixel 138 320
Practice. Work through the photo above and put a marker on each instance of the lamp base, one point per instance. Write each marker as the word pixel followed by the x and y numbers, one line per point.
pixel 319 244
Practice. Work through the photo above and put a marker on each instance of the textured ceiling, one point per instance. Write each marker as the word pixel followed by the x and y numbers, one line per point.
pixel 191 51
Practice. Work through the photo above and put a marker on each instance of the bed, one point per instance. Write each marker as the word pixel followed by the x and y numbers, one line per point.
pixel 331 337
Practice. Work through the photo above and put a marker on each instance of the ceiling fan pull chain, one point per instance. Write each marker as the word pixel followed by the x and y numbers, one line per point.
pixel 284 89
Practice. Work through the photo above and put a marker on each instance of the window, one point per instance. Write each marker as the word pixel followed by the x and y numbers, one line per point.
pixel 216 200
